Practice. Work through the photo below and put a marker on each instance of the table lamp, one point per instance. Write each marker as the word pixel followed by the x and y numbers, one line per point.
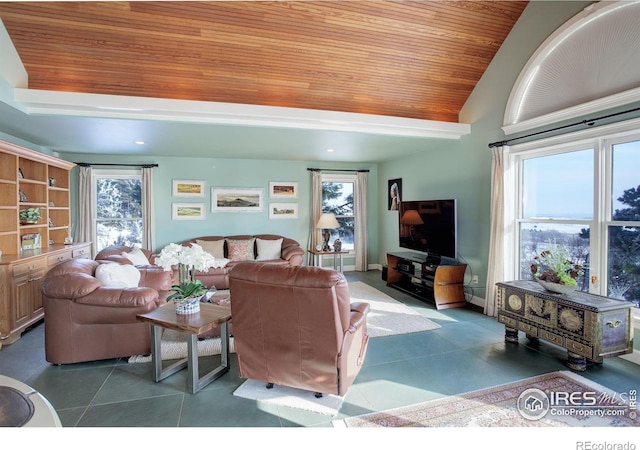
pixel 327 221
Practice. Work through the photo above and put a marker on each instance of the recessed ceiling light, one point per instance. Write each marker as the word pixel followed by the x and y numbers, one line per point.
pixel 139 142
pixel 330 150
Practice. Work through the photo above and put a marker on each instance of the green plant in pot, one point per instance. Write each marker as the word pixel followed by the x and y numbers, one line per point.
pixel 30 215
pixel 187 259
pixel 554 270
pixel 187 289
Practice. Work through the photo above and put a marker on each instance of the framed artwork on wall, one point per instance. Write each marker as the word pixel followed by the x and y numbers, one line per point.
pixel 187 211
pixel 283 210
pixel 188 188
pixel 395 189
pixel 237 199
pixel 283 189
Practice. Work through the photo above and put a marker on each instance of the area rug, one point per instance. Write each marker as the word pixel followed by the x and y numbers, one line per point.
pixel 290 397
pixel 174 346
pixel 516 404
pixel 387 316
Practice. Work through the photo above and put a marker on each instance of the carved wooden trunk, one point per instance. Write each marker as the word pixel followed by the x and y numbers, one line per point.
pixel 590 327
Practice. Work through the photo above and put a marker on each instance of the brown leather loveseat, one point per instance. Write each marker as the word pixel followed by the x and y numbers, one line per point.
pixel 87 321
pixel 295 326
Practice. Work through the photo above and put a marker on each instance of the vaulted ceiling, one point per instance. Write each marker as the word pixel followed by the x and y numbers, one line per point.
pixel 415 60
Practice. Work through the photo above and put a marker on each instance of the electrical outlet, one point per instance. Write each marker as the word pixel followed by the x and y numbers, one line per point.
pixel 474 279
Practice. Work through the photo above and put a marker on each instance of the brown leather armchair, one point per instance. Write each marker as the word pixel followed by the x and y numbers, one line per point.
pixel 86 321
pixel 295 326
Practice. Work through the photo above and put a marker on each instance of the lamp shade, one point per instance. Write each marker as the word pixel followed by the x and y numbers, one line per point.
pixel 327 220
pixel 411 217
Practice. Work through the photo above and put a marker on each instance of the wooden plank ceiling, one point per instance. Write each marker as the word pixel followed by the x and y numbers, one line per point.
pixel 417 59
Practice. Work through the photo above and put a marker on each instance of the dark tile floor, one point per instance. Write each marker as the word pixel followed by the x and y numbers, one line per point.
pixel 468 352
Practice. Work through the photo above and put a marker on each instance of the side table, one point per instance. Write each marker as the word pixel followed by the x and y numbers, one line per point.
pixel 319 253
pixel 210 316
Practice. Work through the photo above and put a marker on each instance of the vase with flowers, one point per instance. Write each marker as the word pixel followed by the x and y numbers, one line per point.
pixel 555 271
pixel 188 292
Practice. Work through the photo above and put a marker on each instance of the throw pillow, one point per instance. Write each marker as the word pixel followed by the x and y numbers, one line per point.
pixel 240 250
pixel 269 249
pixel 215 248
pixel 137 257
pixel 118 275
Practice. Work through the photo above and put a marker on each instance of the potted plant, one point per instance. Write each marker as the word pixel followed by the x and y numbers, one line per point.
pixel 555 271
pixel 187 293
pixel 30 215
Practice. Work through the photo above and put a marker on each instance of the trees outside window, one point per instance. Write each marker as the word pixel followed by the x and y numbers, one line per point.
pixel 338 198
pixel 118 208
pixel 588 199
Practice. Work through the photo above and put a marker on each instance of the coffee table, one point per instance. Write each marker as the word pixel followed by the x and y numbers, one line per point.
pixel 210 316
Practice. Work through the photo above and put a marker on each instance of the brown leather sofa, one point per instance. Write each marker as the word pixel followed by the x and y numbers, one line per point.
pixel 114 253
pixel 290 254
pixel 86 321
pixel 295 326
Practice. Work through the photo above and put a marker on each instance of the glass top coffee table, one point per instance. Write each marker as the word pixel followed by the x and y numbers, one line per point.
pixel 210 316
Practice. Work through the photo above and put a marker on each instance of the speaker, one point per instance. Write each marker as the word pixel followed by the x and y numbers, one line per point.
pixel 385 270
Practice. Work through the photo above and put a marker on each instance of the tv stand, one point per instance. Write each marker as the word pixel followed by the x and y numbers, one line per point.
pixel 427 277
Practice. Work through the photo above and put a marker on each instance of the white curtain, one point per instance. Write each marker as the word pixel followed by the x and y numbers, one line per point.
pixel 315 236
pixel 85 230
pixel 148 210
pixel 360 234
pixel 496 264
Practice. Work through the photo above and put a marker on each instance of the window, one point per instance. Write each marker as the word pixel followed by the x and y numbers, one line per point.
pixel 338 198
pixel 117 199
pixel 586 197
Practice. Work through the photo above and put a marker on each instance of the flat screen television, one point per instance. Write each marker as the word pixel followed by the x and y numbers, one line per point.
pixel 429 226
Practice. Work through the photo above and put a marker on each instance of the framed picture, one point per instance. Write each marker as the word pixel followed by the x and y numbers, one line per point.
pixel 283 210
pixel 188 188
pixel 187 211
pixel 237 199
pixel 395 189
pixel 283 189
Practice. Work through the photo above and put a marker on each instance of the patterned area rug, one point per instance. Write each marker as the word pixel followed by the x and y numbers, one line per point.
pixel 518 404
pixel 174 346
pixel 387 316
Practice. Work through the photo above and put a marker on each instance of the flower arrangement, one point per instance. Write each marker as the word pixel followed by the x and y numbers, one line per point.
pixel 188 260
pixel 556 267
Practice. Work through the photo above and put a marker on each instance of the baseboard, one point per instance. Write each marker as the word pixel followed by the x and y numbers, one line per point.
pixel 632 357
pixel 477 301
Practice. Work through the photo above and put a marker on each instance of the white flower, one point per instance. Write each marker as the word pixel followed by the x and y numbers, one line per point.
pixel 193 256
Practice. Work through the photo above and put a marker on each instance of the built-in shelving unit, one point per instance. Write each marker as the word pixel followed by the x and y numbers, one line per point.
pixel 30 179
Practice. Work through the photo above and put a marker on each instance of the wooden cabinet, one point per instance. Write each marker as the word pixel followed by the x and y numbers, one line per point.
pixel 438 280
pixel 30 179
pixel 590 327
pixel 20 297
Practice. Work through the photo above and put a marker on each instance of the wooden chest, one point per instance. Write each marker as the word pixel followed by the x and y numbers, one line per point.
pixel 590 327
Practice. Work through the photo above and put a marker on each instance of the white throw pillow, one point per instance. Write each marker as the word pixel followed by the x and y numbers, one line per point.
pixel 118 275
pixel 137 257
pixel 215 248
pixel 269 249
